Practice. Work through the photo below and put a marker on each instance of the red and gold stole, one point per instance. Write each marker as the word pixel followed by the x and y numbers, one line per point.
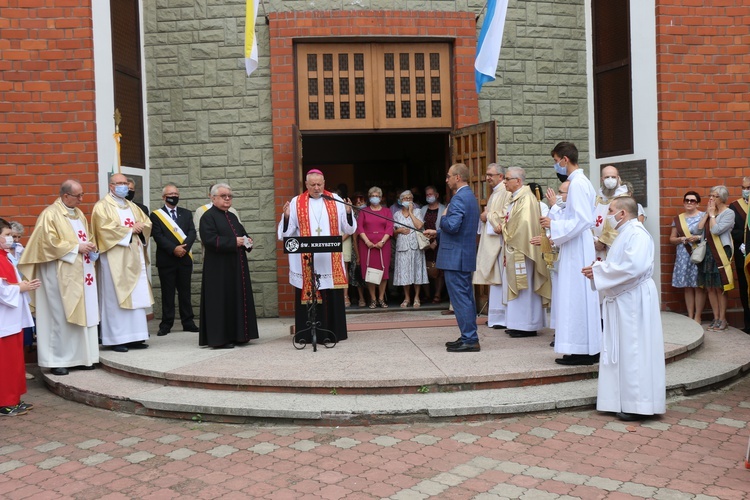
pixel 337 265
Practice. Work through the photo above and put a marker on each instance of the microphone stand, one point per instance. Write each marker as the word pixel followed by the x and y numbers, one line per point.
pixel 373 213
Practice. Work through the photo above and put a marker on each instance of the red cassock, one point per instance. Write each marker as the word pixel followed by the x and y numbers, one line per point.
pixel 12 365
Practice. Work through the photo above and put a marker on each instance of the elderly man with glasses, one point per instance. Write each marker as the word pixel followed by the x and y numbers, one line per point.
pixel 61 254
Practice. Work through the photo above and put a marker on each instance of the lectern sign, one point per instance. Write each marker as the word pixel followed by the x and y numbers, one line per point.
pixel 313 244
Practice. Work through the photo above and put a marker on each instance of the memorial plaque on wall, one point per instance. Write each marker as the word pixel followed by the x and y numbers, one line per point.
pixel 633 172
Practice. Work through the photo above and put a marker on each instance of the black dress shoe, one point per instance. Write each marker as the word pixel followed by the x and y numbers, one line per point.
pixel 85 367
pixel 447 312
pixel 162 332
pixel 552 344
pixel 120 348
pixel 631 417
pixel 225 346
pixel 191 328
pixel 517 334
pixel 455 343
pixel 59 371
pixel 578 359
pixel 499 327
pixel 464 348
pixel 138 345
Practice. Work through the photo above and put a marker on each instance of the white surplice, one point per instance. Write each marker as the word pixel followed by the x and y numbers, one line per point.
pixel 61 344
pixel 318 219
pixel 577 316
pixel 15 314
pixel 631 367
pixel 554 213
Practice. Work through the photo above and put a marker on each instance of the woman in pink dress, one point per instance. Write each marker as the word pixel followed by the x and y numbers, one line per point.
pixel 374 234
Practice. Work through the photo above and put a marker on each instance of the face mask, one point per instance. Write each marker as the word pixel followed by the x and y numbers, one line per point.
pixel 361 206
pixel 375 200
pixel 560 169
pixel 172 200
pixel 612 221
pixel 746 194
pixel 405 204
pixel 431 199
pixel 559 201
pixel 131 195
pixel 121 191
pixel 610 183
pixel 8 242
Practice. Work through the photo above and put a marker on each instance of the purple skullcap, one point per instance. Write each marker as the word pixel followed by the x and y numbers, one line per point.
pixel 314 171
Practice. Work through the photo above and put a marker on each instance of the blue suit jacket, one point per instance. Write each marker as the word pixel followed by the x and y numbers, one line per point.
pixel 458 233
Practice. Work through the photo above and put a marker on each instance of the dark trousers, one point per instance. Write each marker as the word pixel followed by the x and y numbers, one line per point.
pixel 739 266
pixel 176 278
pixel 461 295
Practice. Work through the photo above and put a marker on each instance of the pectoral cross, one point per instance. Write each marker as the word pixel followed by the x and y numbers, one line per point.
pixel 318 231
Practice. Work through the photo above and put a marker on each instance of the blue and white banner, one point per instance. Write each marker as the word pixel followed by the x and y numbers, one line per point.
pixel 490 40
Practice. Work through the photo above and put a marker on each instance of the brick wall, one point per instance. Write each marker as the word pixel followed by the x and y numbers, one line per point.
pixel 286 26
pixel 703 74
pixel 47 122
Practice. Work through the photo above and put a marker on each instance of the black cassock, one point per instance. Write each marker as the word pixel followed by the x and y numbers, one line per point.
pixel 227 305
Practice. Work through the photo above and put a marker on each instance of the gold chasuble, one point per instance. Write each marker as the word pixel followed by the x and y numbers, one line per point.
pixel 337 267
pixel 522 225
pixel 124 261
pixel 52 239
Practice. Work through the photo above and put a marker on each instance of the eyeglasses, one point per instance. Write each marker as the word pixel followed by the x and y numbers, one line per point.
pixel 225 196
pixel 119 183
pixel 511 178
pixel 690 200
pixel 492 175
pixel 79 196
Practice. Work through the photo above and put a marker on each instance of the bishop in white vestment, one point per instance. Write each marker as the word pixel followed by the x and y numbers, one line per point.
pixel 632 379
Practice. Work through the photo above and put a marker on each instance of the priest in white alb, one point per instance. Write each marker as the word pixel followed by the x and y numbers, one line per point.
pixel 318 212
pixel 632 381
pixel 577 317
pixel 122 231
pixel 61 253
pixel 489 253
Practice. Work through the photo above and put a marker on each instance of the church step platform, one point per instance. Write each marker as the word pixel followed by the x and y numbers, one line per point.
pixel 381 373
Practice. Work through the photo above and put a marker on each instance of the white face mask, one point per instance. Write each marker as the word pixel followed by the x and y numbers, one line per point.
pixel 610 183
pixel 405 204
pixel 431 199
pixel 559 201
pixel 612 221
pixel 8 242
pixel 746 194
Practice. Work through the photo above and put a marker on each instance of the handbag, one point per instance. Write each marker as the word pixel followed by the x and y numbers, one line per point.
pixel 432 271
pixel 422 240
pixel 699 252
pixel 372 275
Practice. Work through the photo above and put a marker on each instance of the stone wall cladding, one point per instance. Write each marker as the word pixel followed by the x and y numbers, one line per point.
pixel 703 63
pixel 47 113
pixel 209 123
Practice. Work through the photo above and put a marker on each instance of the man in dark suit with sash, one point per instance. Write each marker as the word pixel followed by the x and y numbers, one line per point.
pixel 174 234
pixel 458 256
pixel 740 234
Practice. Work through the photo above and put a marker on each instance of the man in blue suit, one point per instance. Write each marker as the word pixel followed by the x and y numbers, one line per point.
pixel 458 256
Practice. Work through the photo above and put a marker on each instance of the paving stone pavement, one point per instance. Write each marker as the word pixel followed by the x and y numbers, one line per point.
pixel 63 449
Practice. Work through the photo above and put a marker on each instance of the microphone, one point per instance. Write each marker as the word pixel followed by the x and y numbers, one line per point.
pixel 327 197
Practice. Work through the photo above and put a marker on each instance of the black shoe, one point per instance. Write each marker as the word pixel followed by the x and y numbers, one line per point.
pixel 59 371
pixel 447 312
pixel 191 328
pixel 162 332
pixel 138 345
pixel 552 344
pixel 499 327
pixel 120 348
pixel 631 417
pixel 455 343
pixel 85 367
pixel 464 348
pixel 225 346
pixel 577 360
pixel 517 334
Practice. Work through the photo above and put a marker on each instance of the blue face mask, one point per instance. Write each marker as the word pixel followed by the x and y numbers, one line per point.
pixel 405 203
pixel 375 200
pixel 560 170
pixel 121 191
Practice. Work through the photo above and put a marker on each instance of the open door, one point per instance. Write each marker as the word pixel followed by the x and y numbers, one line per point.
pixel 297 158
pixel 475 146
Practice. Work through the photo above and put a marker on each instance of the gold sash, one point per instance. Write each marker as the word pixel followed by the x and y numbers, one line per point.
pixel 680 222
pixel 722 261
pixel 172 226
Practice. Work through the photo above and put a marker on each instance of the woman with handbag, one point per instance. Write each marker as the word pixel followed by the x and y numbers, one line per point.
pixel 410 268
pixel 715 272
pixel 686 235
pixel 373 233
